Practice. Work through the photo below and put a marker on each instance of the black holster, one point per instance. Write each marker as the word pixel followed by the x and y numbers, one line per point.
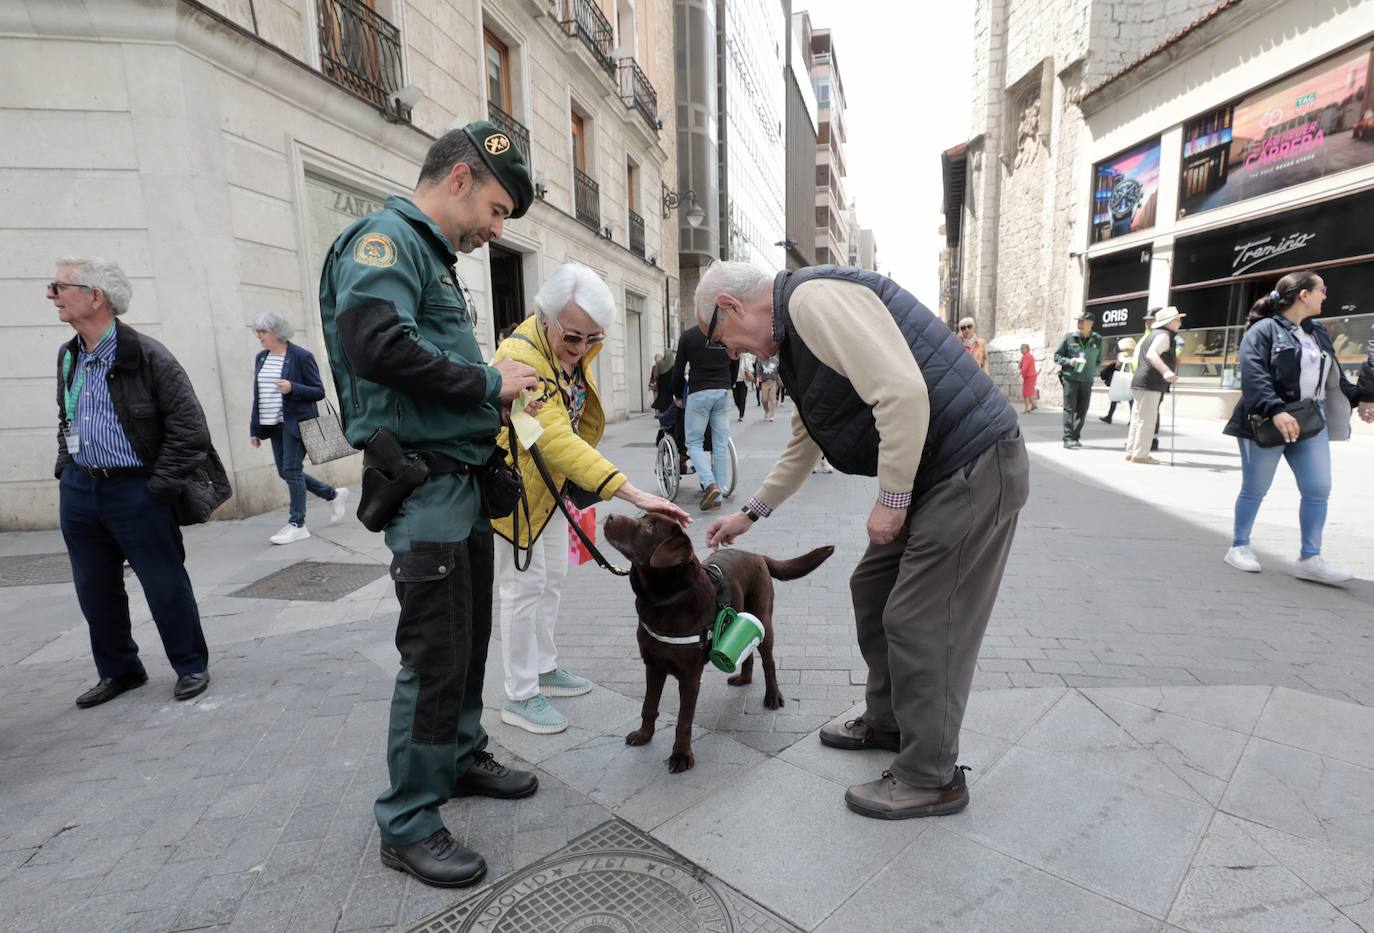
pixel 390 475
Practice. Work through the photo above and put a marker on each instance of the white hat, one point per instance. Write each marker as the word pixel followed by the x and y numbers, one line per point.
pixel 1166 315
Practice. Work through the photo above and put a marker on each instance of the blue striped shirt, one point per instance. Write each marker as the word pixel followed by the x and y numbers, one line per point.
pixel 103 442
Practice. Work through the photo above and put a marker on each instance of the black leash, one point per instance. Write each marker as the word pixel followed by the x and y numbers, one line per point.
pixel 572 523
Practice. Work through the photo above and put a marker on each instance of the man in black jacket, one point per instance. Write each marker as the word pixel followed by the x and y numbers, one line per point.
pixel 131 431
pixel 704 395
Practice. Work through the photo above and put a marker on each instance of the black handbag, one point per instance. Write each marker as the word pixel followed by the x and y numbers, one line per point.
pixel 205 489
pixel 1310 423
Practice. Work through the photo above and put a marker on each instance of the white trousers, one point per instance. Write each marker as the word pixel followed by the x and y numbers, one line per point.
pixel 1143 419
pixel 529 607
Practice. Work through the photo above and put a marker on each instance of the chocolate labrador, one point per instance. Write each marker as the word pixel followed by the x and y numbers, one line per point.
pixel 675 599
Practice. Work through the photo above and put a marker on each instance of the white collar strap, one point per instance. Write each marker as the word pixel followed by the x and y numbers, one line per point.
pixel 673 639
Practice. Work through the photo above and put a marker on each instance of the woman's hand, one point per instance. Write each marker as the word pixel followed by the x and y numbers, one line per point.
pixel 284 386
pixel 651 503
pixel 256 442
pixel 1367 412
pixel 1288 426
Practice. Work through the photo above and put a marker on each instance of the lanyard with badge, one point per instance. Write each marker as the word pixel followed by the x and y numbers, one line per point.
pixel 71 393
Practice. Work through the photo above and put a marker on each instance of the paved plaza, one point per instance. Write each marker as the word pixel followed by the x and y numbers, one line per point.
pixel 1158 742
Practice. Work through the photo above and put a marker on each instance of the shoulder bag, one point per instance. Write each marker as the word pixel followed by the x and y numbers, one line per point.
pixel 324 438
pixel 1310 423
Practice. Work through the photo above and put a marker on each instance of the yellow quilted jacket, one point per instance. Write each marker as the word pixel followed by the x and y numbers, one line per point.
pixel 569 456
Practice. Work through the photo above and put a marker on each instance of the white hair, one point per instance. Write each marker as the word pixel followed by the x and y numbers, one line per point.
pixel 274 324
pixel 574 284
pixel 966 322
pixel 737 279
pixel 94 272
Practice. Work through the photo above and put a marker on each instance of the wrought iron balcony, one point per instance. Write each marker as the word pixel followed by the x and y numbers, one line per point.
pixel 511 127
pixel 587 200
pixel 584 19
pixel 637 92
pixel 636 234
pixel 361 51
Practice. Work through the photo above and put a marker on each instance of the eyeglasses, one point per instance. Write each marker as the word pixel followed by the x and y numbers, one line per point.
pixel 711 342
pixel 966 327
pixel 54 288
pixel 575 338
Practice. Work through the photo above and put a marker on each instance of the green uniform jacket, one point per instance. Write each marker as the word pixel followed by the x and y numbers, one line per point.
pixel 403 353
pixel 1073 346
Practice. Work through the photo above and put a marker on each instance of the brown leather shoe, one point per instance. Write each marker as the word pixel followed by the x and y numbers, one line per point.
pixel 710 498
pixel 890 799
pixel 857 734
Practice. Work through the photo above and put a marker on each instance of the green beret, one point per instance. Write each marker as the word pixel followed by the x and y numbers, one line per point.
pixel 506 162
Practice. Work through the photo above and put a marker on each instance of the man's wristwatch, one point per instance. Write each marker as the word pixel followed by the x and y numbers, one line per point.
pixel 751 514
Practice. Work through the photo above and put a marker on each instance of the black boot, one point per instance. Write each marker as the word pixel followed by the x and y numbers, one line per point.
pixel 438 861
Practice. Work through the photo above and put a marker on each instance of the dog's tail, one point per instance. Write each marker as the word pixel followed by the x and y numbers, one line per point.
pixel 798 566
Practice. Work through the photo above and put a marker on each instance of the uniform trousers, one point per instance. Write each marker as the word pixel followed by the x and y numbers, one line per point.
pixel 922 603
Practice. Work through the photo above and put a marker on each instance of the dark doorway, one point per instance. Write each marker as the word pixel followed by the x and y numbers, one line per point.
pixel 507 289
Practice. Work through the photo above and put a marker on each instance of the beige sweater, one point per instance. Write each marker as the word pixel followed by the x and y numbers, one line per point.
pixel 851 331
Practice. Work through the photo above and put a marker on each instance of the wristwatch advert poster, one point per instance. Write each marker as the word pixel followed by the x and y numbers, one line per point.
pixel 1126 192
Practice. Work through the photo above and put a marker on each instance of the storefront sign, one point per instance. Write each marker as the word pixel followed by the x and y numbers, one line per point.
pixel 1306 126
pixel 1126 192
pixel 1330 230
pixel 1120 319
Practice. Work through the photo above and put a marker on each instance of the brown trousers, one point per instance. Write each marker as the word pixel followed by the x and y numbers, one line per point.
pixel 922 603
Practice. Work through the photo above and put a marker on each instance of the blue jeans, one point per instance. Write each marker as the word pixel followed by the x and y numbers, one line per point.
pixel 1310 461
pixel 708 406
pixel 289 453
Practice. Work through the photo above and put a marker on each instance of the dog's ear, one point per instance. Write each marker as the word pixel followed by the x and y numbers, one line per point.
pixel 674 551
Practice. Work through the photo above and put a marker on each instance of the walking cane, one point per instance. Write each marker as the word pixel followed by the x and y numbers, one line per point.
pixel 1173 422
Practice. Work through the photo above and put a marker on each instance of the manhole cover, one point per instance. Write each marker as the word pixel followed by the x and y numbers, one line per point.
pixel 36 569
pixel 317 581
pixel 613 879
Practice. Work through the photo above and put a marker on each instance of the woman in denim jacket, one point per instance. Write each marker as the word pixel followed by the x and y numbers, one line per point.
pixel 1286 356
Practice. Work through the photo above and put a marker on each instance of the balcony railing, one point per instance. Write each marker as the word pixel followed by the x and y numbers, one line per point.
pixel 587 200
pixel 637 92
pixel 361 51
pixel 636 234
pixel 584 19
pixel 511 127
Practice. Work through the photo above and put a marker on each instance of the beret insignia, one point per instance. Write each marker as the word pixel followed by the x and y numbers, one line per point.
pixel 497 143
pixel 375 249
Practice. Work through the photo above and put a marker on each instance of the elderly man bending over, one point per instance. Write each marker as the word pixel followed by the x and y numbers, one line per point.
pixel 882 388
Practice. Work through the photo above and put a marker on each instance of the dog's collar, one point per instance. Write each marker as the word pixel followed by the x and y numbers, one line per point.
pixel 702 638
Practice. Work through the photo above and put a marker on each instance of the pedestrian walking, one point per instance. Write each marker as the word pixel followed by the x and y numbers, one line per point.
pixel 1366 385
pixel 898 398
pixel 975 345
pixel 1078 356
pixel 559 342
pixel 702 378
pixel 286 386
pixel 1123 366
pixel 1287 381
pixel 131 431
pixel 741 387
pixel 1150 382
pixel 768 376
pixel 1030 375
pixel 415 390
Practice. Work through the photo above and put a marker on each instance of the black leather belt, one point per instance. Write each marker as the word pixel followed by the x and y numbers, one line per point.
pixel 113 472
pixel 440 464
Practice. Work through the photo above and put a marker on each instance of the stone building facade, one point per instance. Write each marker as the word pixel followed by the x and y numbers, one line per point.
pixel 215 147
pixel 1018 231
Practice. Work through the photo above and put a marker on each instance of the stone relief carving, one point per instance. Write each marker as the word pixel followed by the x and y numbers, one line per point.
pixel 1028 131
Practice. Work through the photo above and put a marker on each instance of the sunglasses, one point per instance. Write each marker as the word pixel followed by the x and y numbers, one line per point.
pixel 711 342
pixel 54 288
pixel 966 327
pixel 576 338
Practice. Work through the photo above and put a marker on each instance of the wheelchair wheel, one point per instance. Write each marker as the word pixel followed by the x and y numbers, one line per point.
pixel 667 469
pixel 727 483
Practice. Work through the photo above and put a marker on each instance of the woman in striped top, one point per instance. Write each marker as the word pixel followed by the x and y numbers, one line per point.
pixel 286 387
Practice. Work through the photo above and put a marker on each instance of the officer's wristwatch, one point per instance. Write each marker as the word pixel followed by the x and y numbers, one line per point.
pixel 751 514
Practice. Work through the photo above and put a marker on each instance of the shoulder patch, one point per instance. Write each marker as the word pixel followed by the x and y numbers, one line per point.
pixel 374 249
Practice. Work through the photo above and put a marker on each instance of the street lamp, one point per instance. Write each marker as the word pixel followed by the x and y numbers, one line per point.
pixel 695 215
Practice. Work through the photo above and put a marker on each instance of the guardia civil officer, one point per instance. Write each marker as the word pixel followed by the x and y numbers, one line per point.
pixel 405 359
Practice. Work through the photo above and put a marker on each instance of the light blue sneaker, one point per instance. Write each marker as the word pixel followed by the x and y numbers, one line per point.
pixel 560 683
pixel 535 715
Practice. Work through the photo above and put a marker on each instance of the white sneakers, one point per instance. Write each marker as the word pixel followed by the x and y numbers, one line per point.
pixel 1314 568
pixel 1242 558
pixel 289 534
pixel 339 504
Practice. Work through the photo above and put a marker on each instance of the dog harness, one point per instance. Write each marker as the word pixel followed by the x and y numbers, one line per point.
pixel 702 638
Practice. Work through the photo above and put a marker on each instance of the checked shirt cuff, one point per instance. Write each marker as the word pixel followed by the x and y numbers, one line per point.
pixel 894 500
pixel 763 510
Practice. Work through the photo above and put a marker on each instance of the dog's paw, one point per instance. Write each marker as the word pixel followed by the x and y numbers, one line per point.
pixel 679 762
pixel 773 700
pixel 739 680
pixel 639 737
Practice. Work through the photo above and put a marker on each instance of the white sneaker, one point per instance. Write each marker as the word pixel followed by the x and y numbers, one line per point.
pixel 338 505
pixel 1316 568
pixel 1242 558
pixel 290 534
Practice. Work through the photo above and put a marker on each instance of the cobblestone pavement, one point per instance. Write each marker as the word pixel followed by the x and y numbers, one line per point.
pixel 250 808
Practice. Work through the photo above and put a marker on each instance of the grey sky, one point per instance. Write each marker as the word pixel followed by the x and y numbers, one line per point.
pixel 907 70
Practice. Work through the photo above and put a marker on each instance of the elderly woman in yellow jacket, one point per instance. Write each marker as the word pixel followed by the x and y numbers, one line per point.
pixel 559 340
